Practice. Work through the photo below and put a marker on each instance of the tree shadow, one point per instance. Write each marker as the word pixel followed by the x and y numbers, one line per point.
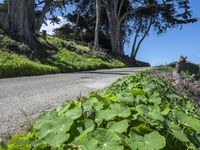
pixel 106 72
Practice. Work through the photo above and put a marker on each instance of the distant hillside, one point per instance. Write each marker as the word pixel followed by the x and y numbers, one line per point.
pixel 58 56
pixel 189 68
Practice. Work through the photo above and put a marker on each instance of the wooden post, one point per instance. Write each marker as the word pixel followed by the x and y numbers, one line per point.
pixel 179 65
pixel 178 68
pixel 44 34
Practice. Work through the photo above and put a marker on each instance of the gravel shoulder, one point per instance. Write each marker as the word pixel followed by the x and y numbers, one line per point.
pixel 38 94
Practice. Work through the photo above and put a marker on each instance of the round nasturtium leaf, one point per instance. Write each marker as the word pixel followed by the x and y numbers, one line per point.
pixel 100 139
pixel 45 118
pixel 56 138
pixel 186 120
pixel 62 109
pixel 121 110
pixel 74 113
pixel 176 131
pixel 152 112
pixel 155 100
pixel 104 115
pixel 118 127
pixel 89 123
pixel 152 141
pixel 61 124
pixel 92 103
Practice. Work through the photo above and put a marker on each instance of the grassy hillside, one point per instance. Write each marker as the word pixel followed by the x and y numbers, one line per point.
pixel 70 56
pixel 58 56
pixel 15 65
pixel 188 67
pixel 135 113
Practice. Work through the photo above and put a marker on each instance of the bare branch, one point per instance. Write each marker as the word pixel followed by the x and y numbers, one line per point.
pixel 120 7
pixel 142 39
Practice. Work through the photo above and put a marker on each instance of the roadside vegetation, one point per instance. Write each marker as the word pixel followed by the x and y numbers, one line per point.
pixel 17 59
pixel 136 112
pixel 13 65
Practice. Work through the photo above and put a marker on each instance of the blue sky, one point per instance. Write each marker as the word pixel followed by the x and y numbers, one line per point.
pixel 165 48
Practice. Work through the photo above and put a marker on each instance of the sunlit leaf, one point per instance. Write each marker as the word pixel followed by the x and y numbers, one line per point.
pixel 101 139
pixel 118 127
pixel 152 141
pixel 187 120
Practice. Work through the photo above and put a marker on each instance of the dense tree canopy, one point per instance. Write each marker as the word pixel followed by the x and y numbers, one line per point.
pixel 116 20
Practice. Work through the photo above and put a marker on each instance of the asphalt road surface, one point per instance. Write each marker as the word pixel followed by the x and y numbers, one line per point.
pixel 38 94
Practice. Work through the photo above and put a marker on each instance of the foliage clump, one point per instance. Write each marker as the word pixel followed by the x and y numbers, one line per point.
pixel 188 68
pixel 13 65
pixel 17 59
pixel 134 113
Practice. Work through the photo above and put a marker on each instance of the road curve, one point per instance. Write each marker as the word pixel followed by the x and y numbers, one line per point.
pixel 37 94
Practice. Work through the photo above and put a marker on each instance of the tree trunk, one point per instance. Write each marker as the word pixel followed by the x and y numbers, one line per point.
pixel 40 19
pixel 20 20
pixel 136 46
pixel 98 20
pixel 76 26
pixel 2 18
pixel 115 25
pixel 115 37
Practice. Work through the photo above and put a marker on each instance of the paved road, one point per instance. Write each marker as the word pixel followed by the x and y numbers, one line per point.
pixel 40 93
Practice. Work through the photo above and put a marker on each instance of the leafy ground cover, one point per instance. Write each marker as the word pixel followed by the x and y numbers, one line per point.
pixel 73 57
pixel 15 65
pixel 17 59
pixel 136 113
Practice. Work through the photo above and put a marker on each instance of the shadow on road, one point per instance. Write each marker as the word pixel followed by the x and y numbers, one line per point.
pixel 106 72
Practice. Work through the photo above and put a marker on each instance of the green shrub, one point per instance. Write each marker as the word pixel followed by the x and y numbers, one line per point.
pixel 13 65
pixel 24 49
pixel 58 58
pixel 188 67
pixel 68 61
pixel 134 113
pixel 142 64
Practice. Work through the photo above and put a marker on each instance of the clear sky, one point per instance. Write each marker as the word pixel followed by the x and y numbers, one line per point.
pixel 165 48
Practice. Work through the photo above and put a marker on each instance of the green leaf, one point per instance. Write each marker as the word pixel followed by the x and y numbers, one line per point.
pixel 89 123
pixel 60 125
pixel 92 103
pixel 101 139
pixel 165 111
pixel 152 112
pixel 188 121
pixel 45 118
pixel 118 127
pixel 19 147
pixel 155 100
pixel 137 92
pixel 152 141
pixel 103 115
pixel 56 138
pixel 74 113
pixel 121 110
pixel 111 98
pixel 125 97
pixel 3 145
pixel 177 132
pixel 61 110
pixel 142 129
